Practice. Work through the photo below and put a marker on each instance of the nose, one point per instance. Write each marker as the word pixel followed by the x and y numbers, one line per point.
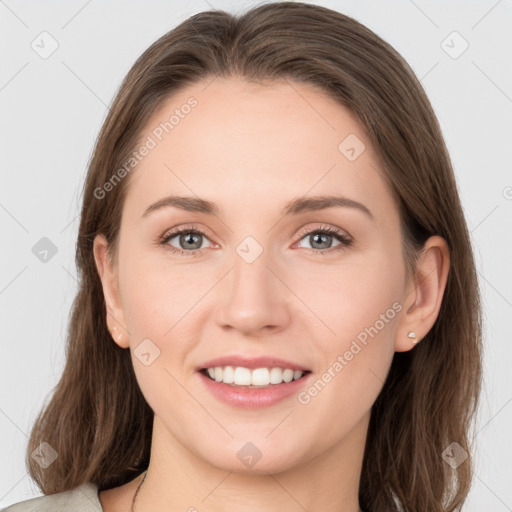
pixel 254 297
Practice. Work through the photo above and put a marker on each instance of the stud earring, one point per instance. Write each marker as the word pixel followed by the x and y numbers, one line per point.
pixel 119 335
pixel 412 336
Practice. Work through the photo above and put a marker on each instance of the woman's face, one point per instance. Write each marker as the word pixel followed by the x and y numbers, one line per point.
pixel 258 282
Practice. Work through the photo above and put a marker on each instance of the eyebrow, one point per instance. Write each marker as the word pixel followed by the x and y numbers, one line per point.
pixel 294 207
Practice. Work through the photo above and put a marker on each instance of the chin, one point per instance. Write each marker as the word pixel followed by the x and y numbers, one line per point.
pixel 257 457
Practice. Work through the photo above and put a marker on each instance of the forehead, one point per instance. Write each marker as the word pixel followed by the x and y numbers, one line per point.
pixel 254 143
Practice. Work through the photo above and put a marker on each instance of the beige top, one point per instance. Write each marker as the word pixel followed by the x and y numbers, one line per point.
pixel 83 498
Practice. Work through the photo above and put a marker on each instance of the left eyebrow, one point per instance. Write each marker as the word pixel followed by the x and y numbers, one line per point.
pixel 294 207
pixel 314 203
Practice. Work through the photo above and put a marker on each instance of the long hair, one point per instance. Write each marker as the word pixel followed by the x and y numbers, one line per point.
pixel 97 419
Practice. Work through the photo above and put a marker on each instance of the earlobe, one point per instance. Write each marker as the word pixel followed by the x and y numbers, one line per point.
pixel 117 333
pixel 108 276
pixel 423 300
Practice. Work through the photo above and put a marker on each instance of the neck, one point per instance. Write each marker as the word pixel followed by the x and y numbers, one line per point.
pixel 177 479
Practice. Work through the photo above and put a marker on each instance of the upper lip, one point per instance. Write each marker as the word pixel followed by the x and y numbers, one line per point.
pixel 252 362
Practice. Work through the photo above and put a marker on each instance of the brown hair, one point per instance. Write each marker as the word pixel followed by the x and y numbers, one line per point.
pixel 98 420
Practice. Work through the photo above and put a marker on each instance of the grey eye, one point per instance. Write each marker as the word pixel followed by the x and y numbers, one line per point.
pixel 188 240
pixel 320 240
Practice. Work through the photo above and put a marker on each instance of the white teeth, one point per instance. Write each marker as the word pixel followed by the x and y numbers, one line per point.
pixel 260 377
pixel 276 376
pixel 288 375
pixel 228 375
pixel 241 376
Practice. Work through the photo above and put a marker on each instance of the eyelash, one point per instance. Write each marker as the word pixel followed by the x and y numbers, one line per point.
pixel 344 240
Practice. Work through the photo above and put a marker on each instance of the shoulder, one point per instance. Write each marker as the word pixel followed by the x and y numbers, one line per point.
pixel 83 498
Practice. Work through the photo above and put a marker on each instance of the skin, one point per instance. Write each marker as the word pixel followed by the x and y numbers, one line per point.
pixel 250 149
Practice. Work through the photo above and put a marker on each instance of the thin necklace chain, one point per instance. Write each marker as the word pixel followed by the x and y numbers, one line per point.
pixel 137 491
pixel 132 509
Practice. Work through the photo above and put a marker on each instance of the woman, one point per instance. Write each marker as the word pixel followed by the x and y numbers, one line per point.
pixel 278 305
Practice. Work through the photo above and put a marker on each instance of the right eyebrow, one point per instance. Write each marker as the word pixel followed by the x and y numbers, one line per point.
pixel 188 203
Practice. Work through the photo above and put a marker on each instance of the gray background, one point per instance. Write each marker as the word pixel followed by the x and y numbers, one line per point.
pixel 52 109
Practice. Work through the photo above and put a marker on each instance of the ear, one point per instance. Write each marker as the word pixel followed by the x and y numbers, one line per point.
pixel 108 273
pixel 424 294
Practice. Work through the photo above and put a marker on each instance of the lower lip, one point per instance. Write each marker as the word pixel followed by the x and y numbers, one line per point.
pixel 253 398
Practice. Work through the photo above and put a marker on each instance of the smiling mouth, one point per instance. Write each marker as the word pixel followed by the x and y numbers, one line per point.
pixel 239 376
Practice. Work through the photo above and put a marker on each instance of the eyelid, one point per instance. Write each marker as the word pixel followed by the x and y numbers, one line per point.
pixel 176 230
pixel 323 227
pixel 303 231
pixel 343 237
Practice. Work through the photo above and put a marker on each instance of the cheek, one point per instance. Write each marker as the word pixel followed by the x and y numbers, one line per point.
pixel 145 305
pixel 346 297
pixel 158 306
pixel 157 294
pixel 360 304
pixel 351 296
